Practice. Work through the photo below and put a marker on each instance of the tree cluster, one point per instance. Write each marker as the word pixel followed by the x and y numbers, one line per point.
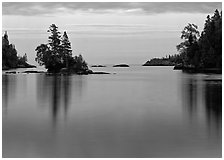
pixel 202 50
pixel 175 59
pixel 9 55
pixel 57 53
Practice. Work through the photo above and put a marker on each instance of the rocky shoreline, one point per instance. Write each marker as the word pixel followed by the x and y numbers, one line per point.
pixel 98 65
pixel 191 69
pixel 159 62
pixel 25 65
pixel 59 73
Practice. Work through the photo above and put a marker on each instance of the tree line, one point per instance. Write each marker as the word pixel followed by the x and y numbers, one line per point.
pixel 203 50
pixel 10 59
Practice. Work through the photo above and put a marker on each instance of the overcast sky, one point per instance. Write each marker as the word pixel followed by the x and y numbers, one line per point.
pixel 48 8
pixel 105 32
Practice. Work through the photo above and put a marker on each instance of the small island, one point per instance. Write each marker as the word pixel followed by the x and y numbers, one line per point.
pixel 98 66
pixel 10 60
pixel 159 62
pixel 57 57
pixel 121 65
pixel 99 73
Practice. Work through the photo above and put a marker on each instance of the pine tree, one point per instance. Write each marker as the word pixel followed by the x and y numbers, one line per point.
pixel 189 47
pixel 54 39
pixel 9 53
pixel 67 51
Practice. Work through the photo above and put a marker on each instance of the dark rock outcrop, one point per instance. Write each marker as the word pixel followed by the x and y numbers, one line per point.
pixel 11 72
pixel 33 72
pixel 99 73
pixel 26 65
pixel 121 65
pixel 98 66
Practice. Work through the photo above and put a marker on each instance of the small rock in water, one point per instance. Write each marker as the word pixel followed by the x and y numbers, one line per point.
pixel 121 65
pixel 33 72
pixel 11 72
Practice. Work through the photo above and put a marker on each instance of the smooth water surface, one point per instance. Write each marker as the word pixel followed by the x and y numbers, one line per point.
pixel 137 112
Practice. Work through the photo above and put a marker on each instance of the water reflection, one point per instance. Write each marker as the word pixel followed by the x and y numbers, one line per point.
pixel 5 86
pixel 66 85
pixel 213 99
pixel 202 99
pixel 62 116
pixel 192 96
pixel 56 91
pixel 8 90
pixel 55 100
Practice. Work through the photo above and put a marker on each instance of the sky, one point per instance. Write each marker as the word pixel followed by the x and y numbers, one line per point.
pixel 105 32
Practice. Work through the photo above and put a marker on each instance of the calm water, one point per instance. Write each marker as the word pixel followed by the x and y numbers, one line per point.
pixel 137 112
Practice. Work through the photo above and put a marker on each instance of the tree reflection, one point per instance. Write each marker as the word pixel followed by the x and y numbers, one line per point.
pixel 5 88
pixel 66 85
pixel 9 83
pixel 213 99
pixel 202 98
pixel 60 93
pixel 55 91
pixel 192 96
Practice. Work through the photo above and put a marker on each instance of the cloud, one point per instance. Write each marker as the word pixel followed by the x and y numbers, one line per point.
pixel 101 29
pixel 50 8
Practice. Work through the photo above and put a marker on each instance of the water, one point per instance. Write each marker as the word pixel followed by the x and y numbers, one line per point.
pixel 137 112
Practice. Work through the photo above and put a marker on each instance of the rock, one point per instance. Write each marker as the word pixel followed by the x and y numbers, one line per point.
pixel 26 65
pixel 99 73
pixel 11 72
pixel 64 70
pixel 98 66
pixel 90 71
pixel 33 72
pixel 178 67
pixel 84 72
pixel 121 65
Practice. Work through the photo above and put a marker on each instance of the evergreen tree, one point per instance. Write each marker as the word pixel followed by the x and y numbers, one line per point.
pixel 189 47
pixel 44 55
pixel 9 53
pixel 55 48
pixel 54 39
pixel 67 51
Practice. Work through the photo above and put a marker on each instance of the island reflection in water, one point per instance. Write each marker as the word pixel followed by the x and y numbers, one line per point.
pixel 130 114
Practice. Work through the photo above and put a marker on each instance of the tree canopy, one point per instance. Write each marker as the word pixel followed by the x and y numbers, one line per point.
pixel 57 53
pixel 203 50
